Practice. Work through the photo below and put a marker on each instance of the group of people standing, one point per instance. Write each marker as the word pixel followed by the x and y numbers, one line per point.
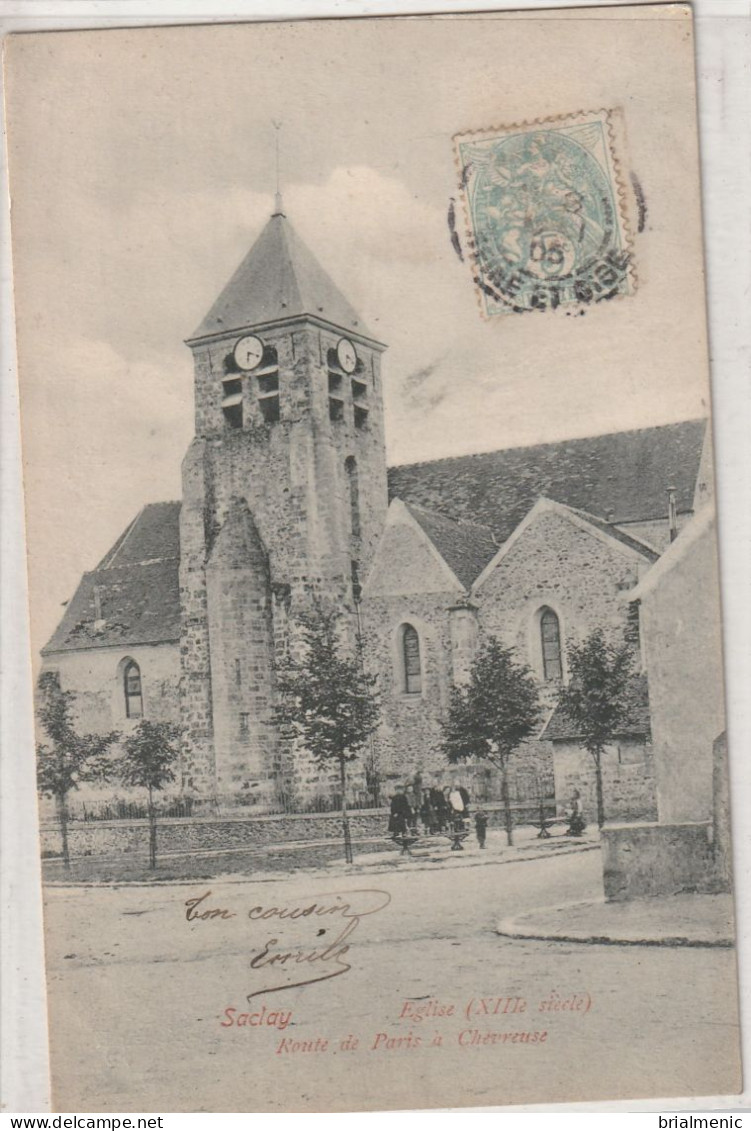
pixel 440 809
pixel 445 809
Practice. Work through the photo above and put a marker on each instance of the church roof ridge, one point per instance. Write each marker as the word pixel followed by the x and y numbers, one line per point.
pixel 153 535
pixel 619 477
pixel 279 279
pixel 695 420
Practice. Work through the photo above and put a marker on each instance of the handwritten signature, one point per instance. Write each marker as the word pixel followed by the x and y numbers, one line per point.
pixel 329 960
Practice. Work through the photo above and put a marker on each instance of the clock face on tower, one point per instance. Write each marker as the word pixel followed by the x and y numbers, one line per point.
pixel 248 352
pixel 346 355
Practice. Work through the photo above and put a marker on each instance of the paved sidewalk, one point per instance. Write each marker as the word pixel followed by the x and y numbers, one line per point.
pixel 431 852
pixel 678 920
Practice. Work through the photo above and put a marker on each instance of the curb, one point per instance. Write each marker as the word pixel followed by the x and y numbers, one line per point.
pixel 514 928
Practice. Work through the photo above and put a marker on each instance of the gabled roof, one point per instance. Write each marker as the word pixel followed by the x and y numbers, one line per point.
pixel 133 596
pixel 600 530
pixel 700 526
pixel 621 536
pixel 459 504
pixel 621 477
pixel 465 547
pixel 153 535
pixel 279 279
pixel 560 728
pixel 426 578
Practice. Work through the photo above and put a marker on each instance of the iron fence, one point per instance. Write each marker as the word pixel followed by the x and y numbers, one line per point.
pixel 526 790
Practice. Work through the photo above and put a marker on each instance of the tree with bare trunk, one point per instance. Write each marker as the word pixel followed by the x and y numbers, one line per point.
pixel 492 714
pixel 69 758
pixel 329 701
pixel 597 698
pixel 149 757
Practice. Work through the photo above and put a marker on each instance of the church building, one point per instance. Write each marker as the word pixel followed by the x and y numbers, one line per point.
pixel 287 499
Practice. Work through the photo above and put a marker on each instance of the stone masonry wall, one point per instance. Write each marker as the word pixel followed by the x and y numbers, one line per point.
pixel 207 833
pixel 195 653
pixel 240 633
pixel 649 860
pixel 627 778
pixel 557 564
pixel 300 477
pixel 553 563
pixel 409 738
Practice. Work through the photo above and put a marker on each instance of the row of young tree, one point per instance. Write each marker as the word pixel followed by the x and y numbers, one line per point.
pixel 68 759
pixel 332 705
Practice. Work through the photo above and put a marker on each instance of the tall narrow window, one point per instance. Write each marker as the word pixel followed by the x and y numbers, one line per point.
pixel 411 660
pixel 336 386
pixel 350 466
pixel 132 688
pixel 267 377
pixel 550 633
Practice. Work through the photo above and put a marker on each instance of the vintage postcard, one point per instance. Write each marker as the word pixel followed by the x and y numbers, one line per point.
pixel 381 744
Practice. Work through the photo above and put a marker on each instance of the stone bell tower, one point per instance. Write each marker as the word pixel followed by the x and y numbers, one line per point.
pixel 284 496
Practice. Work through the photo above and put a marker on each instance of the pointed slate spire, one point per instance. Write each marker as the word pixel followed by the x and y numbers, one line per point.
pixel 279 279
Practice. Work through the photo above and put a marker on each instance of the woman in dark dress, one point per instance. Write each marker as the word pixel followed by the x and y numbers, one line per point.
pixel 401 816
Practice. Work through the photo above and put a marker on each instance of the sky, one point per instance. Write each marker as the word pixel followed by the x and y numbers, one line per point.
pixel 142 169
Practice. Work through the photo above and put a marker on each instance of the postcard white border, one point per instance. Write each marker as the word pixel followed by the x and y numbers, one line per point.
pixel 723 30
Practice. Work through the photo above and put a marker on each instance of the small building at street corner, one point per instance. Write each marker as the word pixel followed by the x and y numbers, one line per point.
pixel 287 500
pixel 687 847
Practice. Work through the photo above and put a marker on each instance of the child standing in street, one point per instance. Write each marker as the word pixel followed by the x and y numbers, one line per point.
pixel 481 826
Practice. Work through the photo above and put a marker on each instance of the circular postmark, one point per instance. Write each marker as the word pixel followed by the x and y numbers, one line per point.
pixel 544 221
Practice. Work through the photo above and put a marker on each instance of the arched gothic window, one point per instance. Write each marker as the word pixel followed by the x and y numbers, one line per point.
pixel 411 661
pixel 132 689
pixel 550 638
pixel 350 466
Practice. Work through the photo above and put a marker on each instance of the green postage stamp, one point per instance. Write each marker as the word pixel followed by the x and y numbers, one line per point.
pixel 545 214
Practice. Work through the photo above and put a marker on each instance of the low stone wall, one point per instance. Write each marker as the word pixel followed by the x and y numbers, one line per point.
pixel 192 834
pixel 186 834
pixel 646 860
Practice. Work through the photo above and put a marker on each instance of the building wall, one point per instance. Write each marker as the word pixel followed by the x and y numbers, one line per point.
pixel 410 585
pixel 409 737
pixel 316 489
pixel 682 646
pixel 650 860
pixel 557 564
pixel 292 473
pixel 627 780
pixel 654 531
pixel 242 658
pixel 95 676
